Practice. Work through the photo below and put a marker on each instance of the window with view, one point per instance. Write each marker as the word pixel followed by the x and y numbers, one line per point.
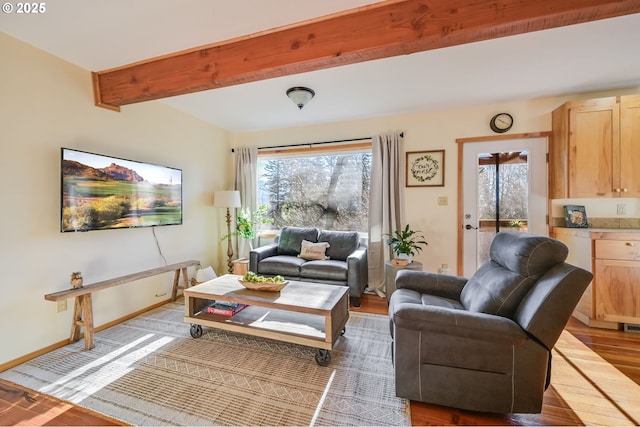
pixel 328 190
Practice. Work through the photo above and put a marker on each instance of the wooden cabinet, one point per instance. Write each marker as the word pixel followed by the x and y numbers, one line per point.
pixel 240 266
pixel 630 145
pixel 595 145
pixel 617 280
pixel 613 297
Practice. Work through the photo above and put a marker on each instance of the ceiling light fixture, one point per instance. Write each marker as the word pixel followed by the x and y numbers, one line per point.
pixel 300 95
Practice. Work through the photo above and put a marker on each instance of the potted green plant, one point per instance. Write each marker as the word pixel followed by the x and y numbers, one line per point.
pixel 246 223
pixel 406 243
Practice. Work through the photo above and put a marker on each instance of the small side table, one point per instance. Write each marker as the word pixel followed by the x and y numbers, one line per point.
pixel 390 272
pixel 240 266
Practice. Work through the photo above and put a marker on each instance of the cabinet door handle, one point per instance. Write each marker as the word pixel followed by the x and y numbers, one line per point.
pixel 629 244
pixel 624 190
pixel 617 190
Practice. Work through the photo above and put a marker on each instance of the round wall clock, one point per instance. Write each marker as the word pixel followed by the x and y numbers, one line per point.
pixel 501 122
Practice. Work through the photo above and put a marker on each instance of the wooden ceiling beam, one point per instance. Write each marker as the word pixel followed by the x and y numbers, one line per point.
pixel 381 30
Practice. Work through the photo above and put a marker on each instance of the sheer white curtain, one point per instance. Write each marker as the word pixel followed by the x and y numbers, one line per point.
pixel 386 202
pixel 246 169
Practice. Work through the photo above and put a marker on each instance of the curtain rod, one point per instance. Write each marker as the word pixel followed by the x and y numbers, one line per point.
pixel 314 143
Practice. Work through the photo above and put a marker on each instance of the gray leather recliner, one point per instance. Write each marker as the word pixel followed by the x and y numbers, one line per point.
pixel 484 344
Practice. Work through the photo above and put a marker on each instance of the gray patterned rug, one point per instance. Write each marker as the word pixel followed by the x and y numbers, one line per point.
pixel 149 371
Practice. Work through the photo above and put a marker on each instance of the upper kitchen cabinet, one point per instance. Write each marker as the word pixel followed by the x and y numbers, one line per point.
pixel 630 145
pixel 595 151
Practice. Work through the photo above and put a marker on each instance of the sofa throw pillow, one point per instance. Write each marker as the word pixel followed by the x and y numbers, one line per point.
pixel 313 251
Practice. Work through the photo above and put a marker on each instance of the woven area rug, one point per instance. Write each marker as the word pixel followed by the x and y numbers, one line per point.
pixel 150 371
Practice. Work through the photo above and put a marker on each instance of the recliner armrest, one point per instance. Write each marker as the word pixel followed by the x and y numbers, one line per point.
pixel 442 285
pixel 461 323
pixel 258 254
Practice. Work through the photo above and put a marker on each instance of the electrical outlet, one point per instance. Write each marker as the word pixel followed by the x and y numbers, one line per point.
pixel 62 305
pixel 621 209
pixel 443 201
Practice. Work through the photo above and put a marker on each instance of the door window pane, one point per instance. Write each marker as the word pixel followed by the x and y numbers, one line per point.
pixel 503 193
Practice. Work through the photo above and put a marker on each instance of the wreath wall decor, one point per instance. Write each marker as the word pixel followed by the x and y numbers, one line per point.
pixel 425 169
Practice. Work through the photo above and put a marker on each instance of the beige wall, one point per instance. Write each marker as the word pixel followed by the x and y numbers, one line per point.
pixel 45 104
pixel 428 131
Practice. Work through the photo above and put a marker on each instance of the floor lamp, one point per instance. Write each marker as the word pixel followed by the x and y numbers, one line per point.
pixel 227 199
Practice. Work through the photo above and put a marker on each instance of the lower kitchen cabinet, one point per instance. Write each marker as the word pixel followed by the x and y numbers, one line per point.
pixel 617 280
pixel 613 256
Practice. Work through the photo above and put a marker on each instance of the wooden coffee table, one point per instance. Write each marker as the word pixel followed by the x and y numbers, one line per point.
pixel 310 314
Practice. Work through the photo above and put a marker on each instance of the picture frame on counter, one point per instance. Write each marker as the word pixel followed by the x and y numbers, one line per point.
pixel 575 216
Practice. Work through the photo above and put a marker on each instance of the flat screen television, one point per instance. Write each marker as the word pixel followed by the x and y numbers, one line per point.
pixel 101 192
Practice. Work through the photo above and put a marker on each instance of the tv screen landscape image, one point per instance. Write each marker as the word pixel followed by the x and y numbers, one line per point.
pixel 101 192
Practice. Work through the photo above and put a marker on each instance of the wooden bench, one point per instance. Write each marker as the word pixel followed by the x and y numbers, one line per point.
pixel 83 311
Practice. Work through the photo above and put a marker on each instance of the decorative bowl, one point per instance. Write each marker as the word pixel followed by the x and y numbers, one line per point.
pixel 264 286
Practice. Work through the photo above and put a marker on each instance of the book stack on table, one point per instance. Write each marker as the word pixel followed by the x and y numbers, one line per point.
pixel 225 308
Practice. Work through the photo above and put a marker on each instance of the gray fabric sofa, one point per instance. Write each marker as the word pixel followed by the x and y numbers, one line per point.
pixel 484 344
pixel 346 263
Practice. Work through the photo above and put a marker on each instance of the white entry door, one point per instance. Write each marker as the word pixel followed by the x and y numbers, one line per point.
pixel 504 188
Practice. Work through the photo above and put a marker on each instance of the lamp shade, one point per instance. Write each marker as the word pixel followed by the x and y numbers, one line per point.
pixel 300 95
pixel 226 199
pixel 205 274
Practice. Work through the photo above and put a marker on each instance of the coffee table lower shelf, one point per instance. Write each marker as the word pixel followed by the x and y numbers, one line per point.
pixel 310 314
pixel 282 325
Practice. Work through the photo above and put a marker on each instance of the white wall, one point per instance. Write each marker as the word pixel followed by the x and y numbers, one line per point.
pixel 428 131
pixel 45 104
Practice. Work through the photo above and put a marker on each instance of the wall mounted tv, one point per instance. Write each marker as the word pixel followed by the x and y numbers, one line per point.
pixel 101 192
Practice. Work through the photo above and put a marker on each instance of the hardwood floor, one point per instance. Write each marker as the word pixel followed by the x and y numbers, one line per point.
pixel 595 381
pixel 22 406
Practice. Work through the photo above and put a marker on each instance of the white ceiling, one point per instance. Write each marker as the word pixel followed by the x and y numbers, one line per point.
pixel 98 35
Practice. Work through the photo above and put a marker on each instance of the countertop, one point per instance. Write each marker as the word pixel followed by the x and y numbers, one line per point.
pixel 600 233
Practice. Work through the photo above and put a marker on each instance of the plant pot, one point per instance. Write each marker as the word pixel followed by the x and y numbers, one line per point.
pixel 404 259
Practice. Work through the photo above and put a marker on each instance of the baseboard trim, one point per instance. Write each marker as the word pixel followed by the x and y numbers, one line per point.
pixel 20 360
pixel 596 323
